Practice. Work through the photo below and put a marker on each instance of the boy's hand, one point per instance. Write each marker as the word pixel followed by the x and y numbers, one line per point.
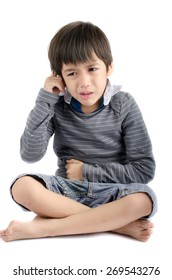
pixel 54 84
pixel 74 169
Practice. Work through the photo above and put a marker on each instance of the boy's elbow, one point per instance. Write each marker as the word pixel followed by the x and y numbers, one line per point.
pixel 146 170
pixel 30 158
pixel 150 172
pixel 149 178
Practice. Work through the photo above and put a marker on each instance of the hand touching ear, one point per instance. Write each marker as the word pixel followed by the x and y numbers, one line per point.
pixel 54 84
pixel 74 169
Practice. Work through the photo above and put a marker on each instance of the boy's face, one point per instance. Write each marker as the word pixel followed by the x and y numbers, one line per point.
pixel 86 82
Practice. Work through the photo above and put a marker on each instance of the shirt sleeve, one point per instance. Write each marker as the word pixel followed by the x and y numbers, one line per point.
pixel 39 127
pixel 140 163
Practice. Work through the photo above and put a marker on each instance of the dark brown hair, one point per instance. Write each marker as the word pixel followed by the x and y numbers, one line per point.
pixel 77 42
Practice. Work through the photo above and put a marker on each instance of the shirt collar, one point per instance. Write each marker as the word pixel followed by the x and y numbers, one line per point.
pixel 109 92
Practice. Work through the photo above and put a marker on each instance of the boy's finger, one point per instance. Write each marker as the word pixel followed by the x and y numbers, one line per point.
pixel 53 74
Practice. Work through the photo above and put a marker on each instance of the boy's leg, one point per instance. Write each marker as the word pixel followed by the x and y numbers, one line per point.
pixel 108 217
pixel 31 194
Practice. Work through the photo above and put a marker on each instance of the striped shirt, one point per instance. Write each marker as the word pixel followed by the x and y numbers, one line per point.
pixel 112 142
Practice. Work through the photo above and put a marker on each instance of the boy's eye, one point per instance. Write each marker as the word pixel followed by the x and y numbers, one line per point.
pixel 72 74
pixel 92 69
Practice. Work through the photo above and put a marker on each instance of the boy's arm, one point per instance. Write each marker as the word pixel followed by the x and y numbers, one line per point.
pixel 39 127
pixel 140 165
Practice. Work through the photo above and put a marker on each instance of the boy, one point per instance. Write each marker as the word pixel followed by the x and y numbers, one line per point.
pixel 104 152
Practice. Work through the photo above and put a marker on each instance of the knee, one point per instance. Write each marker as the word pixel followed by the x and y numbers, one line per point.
pixel 142 203
pixel 139 205
pixel 21 189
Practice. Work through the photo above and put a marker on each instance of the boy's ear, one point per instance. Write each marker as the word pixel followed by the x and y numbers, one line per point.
pixel 110 69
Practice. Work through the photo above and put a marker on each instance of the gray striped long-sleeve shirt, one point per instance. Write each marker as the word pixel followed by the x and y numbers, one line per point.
pixel 113 141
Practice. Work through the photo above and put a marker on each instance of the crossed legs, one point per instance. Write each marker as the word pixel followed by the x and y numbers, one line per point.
pixel 58 215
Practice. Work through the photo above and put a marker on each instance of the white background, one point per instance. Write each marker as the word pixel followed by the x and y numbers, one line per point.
pixel 140 36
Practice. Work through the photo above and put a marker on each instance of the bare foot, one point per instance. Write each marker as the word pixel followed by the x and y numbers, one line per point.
pixel 42 227
pixel 140 229
pixel 37 228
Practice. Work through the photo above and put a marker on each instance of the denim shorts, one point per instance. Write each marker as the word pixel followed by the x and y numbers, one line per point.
pixel 89 193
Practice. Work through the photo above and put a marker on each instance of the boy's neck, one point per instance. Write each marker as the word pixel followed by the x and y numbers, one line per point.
pixel 90 109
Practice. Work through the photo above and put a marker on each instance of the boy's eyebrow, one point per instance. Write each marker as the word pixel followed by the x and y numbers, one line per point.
pixel 69 69
pixel 73 68
pixel 93 64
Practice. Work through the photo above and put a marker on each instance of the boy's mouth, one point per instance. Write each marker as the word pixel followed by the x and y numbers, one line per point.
pixel 86 94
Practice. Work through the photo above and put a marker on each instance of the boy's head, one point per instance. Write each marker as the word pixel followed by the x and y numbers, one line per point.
pixel 78 42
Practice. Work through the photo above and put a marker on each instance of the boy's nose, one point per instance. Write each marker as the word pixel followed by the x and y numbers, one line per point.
pixel 85 81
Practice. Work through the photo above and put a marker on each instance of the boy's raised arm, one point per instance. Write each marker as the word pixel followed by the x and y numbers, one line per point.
pixel 39 128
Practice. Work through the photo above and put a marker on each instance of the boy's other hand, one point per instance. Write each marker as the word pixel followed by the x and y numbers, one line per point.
pixel 74 169
pixel 54 84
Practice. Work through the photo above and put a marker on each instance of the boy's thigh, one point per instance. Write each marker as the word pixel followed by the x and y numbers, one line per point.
pixel 101 193
pixel 26 184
